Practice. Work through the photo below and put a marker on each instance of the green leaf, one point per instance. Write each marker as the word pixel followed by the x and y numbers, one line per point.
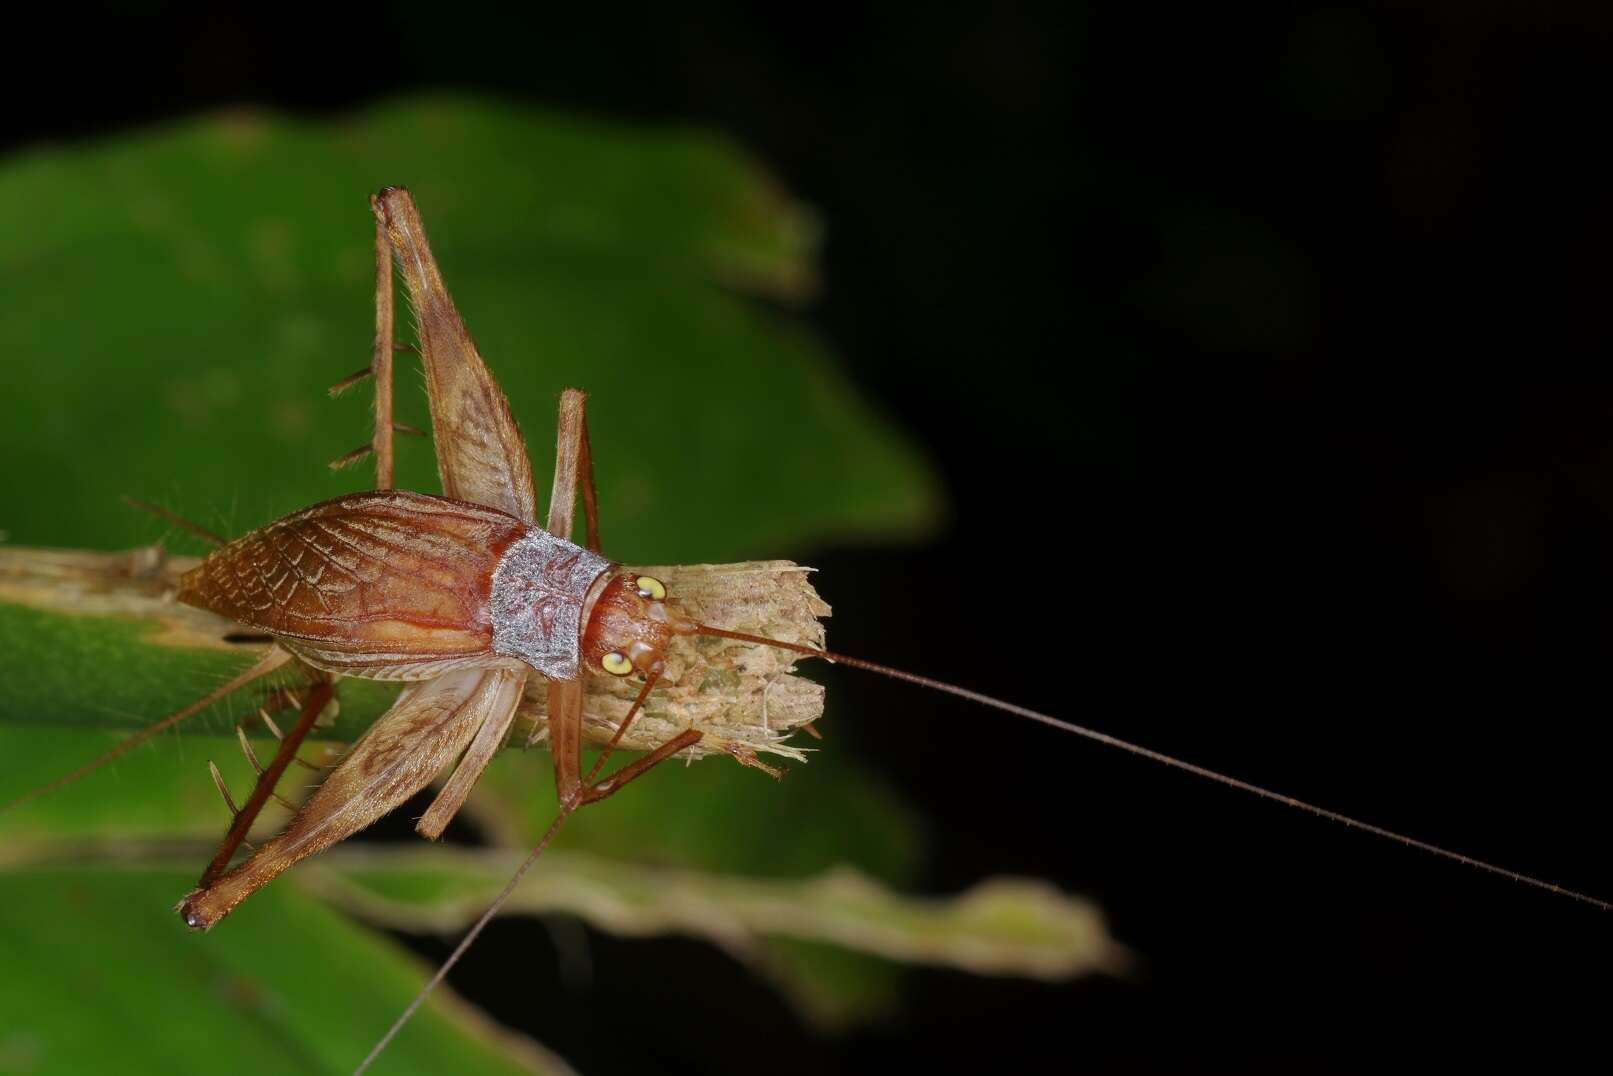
pixel 177 301
pixel 789 928
pixel 1002 927
pixel 99 976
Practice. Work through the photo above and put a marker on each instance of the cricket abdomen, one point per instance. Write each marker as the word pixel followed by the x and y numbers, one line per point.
pixel 387 584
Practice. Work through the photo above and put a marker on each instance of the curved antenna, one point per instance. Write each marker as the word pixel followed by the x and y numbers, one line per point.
pixel 1164 759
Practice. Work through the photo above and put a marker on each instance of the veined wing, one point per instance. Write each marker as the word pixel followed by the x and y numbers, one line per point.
pixel 389 584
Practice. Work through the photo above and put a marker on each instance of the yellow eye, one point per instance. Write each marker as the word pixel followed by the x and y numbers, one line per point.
pixel 616 663
pixel 650 587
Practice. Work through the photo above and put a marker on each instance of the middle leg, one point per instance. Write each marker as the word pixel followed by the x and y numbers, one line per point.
pixel 573 469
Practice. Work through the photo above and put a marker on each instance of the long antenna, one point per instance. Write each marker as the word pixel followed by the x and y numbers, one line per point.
pixel 1160 757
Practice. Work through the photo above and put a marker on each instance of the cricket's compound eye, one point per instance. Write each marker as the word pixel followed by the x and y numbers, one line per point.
pixel 628 629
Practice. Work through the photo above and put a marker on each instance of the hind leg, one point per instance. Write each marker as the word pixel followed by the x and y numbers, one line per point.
pixel 319 695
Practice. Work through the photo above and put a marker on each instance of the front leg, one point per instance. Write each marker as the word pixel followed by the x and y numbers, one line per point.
pixel 565 743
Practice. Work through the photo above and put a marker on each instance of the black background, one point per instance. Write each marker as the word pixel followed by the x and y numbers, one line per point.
pixel 1264 355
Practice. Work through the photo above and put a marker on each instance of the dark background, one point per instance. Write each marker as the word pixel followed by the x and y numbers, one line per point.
pixel 1264 355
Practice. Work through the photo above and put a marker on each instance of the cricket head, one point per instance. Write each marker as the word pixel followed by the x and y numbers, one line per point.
pixel 630 626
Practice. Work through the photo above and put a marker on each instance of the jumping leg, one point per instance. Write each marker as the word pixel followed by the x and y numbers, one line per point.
pixel 489 739
pixel 319 694
pixel 428 727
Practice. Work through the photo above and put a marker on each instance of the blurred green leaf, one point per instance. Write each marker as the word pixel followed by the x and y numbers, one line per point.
pixel 718 817
pixel 177 301
pixel 98 979
pixel 794 929
pixel 157 792
pixel 833 988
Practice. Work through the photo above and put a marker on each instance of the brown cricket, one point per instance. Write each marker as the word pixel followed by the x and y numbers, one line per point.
pixel 466 597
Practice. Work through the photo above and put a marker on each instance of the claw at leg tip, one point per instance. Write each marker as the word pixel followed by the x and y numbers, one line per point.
pixel 192 914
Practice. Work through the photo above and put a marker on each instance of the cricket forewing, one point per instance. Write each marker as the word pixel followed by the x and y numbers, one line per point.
pixel 386 585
